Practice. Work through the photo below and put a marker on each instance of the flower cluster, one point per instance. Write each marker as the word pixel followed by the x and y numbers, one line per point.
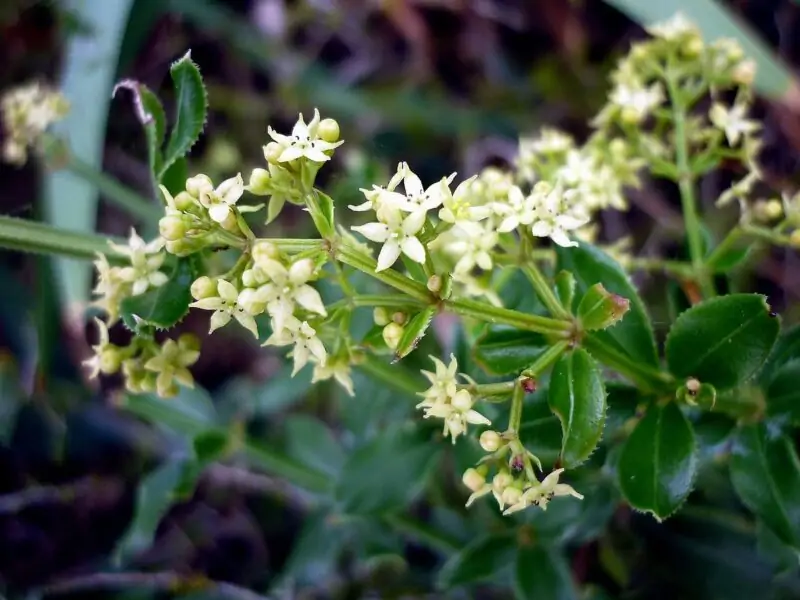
pixel 444 400
pixel 28 111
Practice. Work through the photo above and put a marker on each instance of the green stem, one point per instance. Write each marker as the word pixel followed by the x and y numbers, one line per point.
pixel 504 316
pixel 366 264
pixel 292 246
pixel 730 240
pixel 491 389
pixel 283 466
pixel 672 267
pixel 766 235
pixel 515 417
pixel 385 300
pixel 546 359
pixel 686 187
pixel 538 281
pixel 31 236
pixel 646 378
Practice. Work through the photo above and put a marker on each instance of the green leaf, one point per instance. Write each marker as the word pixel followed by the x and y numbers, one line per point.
pixel 155 126
pixel 174 178
pixel 786 349
pixel 658 463
pixel 565 288
pixel 542 572
pixel 783 392
pixel 191 105
pixel 600 309
pixel 773 79
pixel 164 306
pixel 386 473
pixel 633 335
pixel 722 341
pixel 190 413
pixel 413 332
pixel 320 206
pixel 578 399
pixel 765 472
pixel 312 443
pixel 157 492
pixel 504 350
pixel 210 445
pixel 622 401
pixel 487 558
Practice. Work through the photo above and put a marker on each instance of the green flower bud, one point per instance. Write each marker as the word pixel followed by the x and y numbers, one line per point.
pixel 490 441
pixel 434 284
pixel 392 334
pixel 272 152
pixel 794 239
pixel 204 287
pixel 600 309
pixel 400 318
pixel 511 495
pixel 110 360
pixel 172 228
pixel 328 130
pixel 185 202
pixel 380 316
pixel 260 181
pixel 263 250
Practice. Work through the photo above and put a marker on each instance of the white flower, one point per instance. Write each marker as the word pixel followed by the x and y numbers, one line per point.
pixel 304 141
pixel 539 494
pixel 473 246
pixel 339 370
pixel 306 343
pixel 673 28
pixel 110 288
pixel 554 218
pixel 106 357
pixel 549 141
pixel 443 382
pixel 458 208
pixel 417 197
pixel 398 235
pixel 578 167
pixel 171 364
pixel 383 199
pixel 226 305
pixel 518 210
pixel 219 201
pixel 637 101
pixel 732 121
pixel 287 287
pixel 146 259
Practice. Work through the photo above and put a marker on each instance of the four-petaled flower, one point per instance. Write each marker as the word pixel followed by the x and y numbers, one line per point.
pixel 554 218
pixel 287 287
pixel 219 201
pixel 226 305
pixel 539 494
pixel 146 260
pixel 732 121
pixel 304 141
pixel 306 343
pixel 336 369
pixel 171 365
pixel 106 358
pixel 398 234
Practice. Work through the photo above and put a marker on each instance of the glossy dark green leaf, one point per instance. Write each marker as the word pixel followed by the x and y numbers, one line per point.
pixel 414 331
pixel 658 463
pixel 504 350
pixel 783 392
pixel 190 413
pixel 191 105
pixel 490 557
pixel 600 309
pixel 210 445
pixel 321 210
pixel 565 288
pixel 765 472
pixel 786 349
pixel 164 306
pixel 174 178
pixel 414 269
pixel 542 572
pixel 385 474
pixel 543 437
pixel 155 124
pixel 155 495
pixel 729 259
pixel 722 341
pixel 633 335
pixel 578 399
pixel 622 401
pixel 312 443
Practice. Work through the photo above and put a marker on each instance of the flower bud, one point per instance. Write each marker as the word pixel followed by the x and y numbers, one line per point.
pixel 629 115
pixel 462 401
pixel 110 360
pixel 794 239
pixel 434 284
pixel 693 47
pixel 600 309
pixel 203 287
pixel 172 228
pixel 400 318
pixel 744 72
pixel 490 441
pixel 199 184
pixel 260 180
pixel 501 481
pixel 380 316
pixel 272 152
pixel 328 130
pixel 231 223
pixel 392 334
pixel 185 202
pixel 511 495
pixel 189 341
pixel 252 278
pixel 696 393
pixel 251 301
pixel 303 269
pixel 264 250
pixel 473 480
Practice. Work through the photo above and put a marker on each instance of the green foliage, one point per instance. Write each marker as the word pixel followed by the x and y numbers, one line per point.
pixel 578 398
pixel 485 558
pixel 658 463
pixel 504 350
pixel 722 341
pixel 163 306
pixel 590 265
pixel 414 331
pixel 542 572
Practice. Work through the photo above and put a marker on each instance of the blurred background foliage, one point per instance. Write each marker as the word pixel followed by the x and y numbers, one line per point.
pixel 257 480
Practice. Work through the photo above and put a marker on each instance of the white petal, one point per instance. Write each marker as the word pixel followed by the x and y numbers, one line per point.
pixel 157 279
pixel 248 322
pixel 300 356
pixel 300 128
pixel 361 207
pixel 219 319
pixel 318 349
pixel 227 291
pixel 542 229
pixel 301 271
pixel 560 237
pixel 412 184
pixel 316 155
pixel 414 222
pixel 230 190
pixel 510 223
pixel 375 232
pixel 274 270
pixel 290 153
pixel 388 255
pixel 219 212
pixel 476 418
pixel 309 298
pixel 212 303
pixel 413 249
pixel 140 286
